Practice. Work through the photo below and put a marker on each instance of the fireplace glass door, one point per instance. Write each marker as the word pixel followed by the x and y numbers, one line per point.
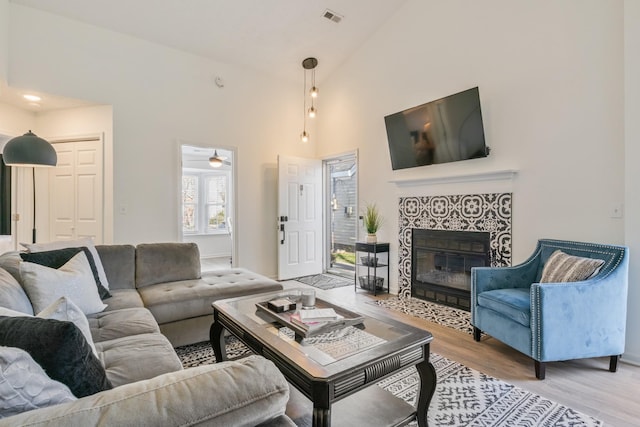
pixel 442 261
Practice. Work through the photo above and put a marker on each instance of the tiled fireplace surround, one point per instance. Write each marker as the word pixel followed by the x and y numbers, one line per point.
pixel 472 212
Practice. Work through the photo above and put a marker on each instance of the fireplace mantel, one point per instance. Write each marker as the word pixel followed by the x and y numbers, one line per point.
pixel 499 175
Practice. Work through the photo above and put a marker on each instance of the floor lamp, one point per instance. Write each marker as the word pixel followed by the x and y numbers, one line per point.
pixel 29 150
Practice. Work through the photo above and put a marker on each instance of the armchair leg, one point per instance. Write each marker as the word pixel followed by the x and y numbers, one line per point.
pixel 613 363
pixel 476 334
pixel 540 369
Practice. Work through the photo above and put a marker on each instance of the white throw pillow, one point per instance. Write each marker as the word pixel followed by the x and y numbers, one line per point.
pixel 73 280
pixel 64 309
pixel 61 244
pixel 4 311
pixel 25 386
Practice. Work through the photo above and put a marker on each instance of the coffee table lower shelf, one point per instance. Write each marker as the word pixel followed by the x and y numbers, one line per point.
pixel 371 406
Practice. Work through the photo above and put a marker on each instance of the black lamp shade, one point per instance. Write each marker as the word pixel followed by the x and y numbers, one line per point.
pixel 29 150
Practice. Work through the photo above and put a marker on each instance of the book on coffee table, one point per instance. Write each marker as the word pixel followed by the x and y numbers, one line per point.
pixel 338 317
pixel 318 315
pixel 311 326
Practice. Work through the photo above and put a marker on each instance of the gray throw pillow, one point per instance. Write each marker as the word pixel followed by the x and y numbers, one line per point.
pixel 12 295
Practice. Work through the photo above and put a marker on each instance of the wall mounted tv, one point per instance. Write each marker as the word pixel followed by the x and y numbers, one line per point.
pixel 445 130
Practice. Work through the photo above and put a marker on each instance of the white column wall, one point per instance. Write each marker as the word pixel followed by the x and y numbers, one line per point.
pixel 4 39
pixel 632 177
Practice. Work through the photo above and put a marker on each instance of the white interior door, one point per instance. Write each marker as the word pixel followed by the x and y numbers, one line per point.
pixel 299 217
pixel 76 206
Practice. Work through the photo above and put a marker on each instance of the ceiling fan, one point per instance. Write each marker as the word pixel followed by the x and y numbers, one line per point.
pixel 216 161
pixel 202 157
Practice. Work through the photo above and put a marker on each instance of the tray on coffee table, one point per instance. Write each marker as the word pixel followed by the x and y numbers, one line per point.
pixel 349 318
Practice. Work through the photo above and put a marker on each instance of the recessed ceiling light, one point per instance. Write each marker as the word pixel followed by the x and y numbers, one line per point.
pixel 34 98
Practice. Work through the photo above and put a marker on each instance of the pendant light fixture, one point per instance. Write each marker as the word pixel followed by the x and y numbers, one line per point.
pixel 29 150
pixel 309 64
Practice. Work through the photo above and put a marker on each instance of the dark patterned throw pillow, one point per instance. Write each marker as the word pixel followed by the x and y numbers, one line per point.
pixel 60 349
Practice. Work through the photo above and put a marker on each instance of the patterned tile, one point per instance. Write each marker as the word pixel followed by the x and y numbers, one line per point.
pixel 433 312
pixel 472 212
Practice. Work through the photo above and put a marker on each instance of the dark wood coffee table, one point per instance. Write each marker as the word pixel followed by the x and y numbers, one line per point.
pixel 337 371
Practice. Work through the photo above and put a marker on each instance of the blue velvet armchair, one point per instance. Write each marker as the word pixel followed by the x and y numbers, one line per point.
pixel 555 321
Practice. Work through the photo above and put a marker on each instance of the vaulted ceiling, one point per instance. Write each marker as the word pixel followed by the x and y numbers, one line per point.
pixel 272 36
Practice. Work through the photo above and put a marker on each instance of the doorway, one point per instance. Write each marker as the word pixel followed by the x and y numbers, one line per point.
pixel 207 200
pixel 300 219
pixel 342 213
pixel 76 190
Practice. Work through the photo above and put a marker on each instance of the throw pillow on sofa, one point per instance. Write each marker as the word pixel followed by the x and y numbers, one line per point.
pixel 61 309
pixel 60 349
pixel 59 257
pixel 562 268
pixel 64 309
pixel 12 295
pixel 73 280
pixel 25 386
pixel 13 313
pixel 85 241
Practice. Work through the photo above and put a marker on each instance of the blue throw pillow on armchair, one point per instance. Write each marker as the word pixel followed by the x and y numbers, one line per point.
pixel 60 349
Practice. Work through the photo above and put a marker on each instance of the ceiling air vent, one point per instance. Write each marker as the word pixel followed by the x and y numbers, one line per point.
pixel 332 16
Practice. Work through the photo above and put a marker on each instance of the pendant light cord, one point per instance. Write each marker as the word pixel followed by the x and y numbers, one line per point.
pixel 304 102
pixel 33 231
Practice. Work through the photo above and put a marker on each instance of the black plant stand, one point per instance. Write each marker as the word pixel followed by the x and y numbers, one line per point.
pixel 371 257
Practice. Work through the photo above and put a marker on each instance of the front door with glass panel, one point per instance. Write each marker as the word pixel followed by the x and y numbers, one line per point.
pixel 341 213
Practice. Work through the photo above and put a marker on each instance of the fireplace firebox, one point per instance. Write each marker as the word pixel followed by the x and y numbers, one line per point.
pixel 441 263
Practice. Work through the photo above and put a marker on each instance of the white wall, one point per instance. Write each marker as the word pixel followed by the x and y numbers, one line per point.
pixel 4 39
pixel 632 203
pixel 550 75
pixel 218 245
pixel 160 95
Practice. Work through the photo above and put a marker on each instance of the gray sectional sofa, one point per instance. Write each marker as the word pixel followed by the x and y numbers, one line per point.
pixel 166 278
pixel 160 299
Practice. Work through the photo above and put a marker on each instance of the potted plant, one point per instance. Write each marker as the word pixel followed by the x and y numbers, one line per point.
pixel 372 222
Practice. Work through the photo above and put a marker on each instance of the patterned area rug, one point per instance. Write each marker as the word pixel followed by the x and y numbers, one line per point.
pixel 325 281
pixel 202 353
pixel 463 397
pixel 430 311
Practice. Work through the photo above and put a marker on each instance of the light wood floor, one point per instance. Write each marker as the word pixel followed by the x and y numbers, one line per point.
pixel 584 385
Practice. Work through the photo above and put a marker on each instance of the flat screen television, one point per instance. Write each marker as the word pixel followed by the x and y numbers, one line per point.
pixel 446 130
